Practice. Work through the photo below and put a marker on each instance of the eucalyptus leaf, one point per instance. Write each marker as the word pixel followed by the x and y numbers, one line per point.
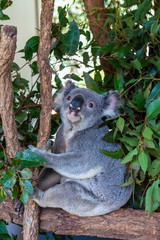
pixel 153 109
pixel 117 154
pixel 149 200
pixel 148 143
pixel 30 159
pixel 26 173
pixel 120 124
pixel 71 39
pixel 129 182
pixel 129 156
pixel 154 168
pixel 155 93
pixel 24 197
pixel 147 133
pixel 143 160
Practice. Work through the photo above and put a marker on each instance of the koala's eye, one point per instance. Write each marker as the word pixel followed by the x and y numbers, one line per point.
pixel 90 105
pixel 69 98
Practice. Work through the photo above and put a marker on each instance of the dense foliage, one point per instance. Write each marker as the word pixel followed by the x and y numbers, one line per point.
pixel 133 50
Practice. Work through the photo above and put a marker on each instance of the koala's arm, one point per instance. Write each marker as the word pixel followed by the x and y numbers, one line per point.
pixel 71 164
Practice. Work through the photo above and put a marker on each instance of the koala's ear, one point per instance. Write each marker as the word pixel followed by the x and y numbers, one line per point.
pixel 112 102
pixel 69 86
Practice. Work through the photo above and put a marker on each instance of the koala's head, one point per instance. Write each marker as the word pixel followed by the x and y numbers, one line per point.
pixel 83 108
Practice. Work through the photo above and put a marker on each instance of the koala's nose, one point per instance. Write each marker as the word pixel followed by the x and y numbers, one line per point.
pixel 76 103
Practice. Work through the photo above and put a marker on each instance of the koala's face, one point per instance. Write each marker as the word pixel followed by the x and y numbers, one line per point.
pixel 83 108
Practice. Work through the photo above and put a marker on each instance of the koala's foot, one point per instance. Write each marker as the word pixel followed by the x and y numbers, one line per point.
pixel 19 207
pixel 72 197
pixel 37 194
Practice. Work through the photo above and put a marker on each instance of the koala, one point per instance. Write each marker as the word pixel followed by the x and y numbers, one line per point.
pixel 77 176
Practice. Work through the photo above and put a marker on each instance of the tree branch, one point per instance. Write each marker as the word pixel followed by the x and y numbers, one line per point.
pixel 31 213
pixel 125 224
pixel 7 52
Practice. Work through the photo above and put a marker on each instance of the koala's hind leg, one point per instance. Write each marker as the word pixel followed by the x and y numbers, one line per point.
pixel 48 178
pixel 71 197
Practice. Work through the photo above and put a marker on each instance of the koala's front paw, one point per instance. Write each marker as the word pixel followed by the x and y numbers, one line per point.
pixel 37 193
pixel 32 148
pixel 19 207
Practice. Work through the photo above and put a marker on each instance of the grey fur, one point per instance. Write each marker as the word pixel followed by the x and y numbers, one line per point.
pixel 78 177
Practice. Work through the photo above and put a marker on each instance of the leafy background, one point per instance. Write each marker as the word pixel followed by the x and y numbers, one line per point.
pixel 133 50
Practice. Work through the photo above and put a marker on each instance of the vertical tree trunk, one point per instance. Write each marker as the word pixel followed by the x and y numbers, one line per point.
pixel 7 52
pixel 97 15
pixel 31 213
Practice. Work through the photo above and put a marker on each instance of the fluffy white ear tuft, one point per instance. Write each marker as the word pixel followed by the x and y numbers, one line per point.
pixel 62 94
pixel 112 102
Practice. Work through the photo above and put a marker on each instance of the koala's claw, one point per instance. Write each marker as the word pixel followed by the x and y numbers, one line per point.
pixel 19 208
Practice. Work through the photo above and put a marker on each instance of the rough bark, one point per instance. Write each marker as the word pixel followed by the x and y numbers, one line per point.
pixel 31 213
pixel 45 72
pixel 7 52
pixel 125 224
pixel 99 31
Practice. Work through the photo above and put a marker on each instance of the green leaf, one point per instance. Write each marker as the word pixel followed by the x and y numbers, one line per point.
pixel 129 3
pixel 136 64
pixel 24 196
pixel 154 168
pixel 30 159
pixel 143 160
pixel 34 67
pixel 147 133
pixel 149 200
pixel 8 181
pixel 148 143
pixel 131 81
pixel 154 94
pixel 71 39
pixel 117 155
pixel 139 99
pixel 26 173
pixel 73 76
pixel 62 16
pixel 118 81
pixel 154 28
pixel 21 117
pixel 32 43
pixel 132 133
pixel 3 231
pixel 156 192
pixel 132 141
pixel 129 156
pixel 3 16
pixel 120 124
pixel 85 58
pixel 135 164
pixel 154 152
pixel 153 109
pixel 27 186
pixel 129 182
pixel 90 83
pixel 143 8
